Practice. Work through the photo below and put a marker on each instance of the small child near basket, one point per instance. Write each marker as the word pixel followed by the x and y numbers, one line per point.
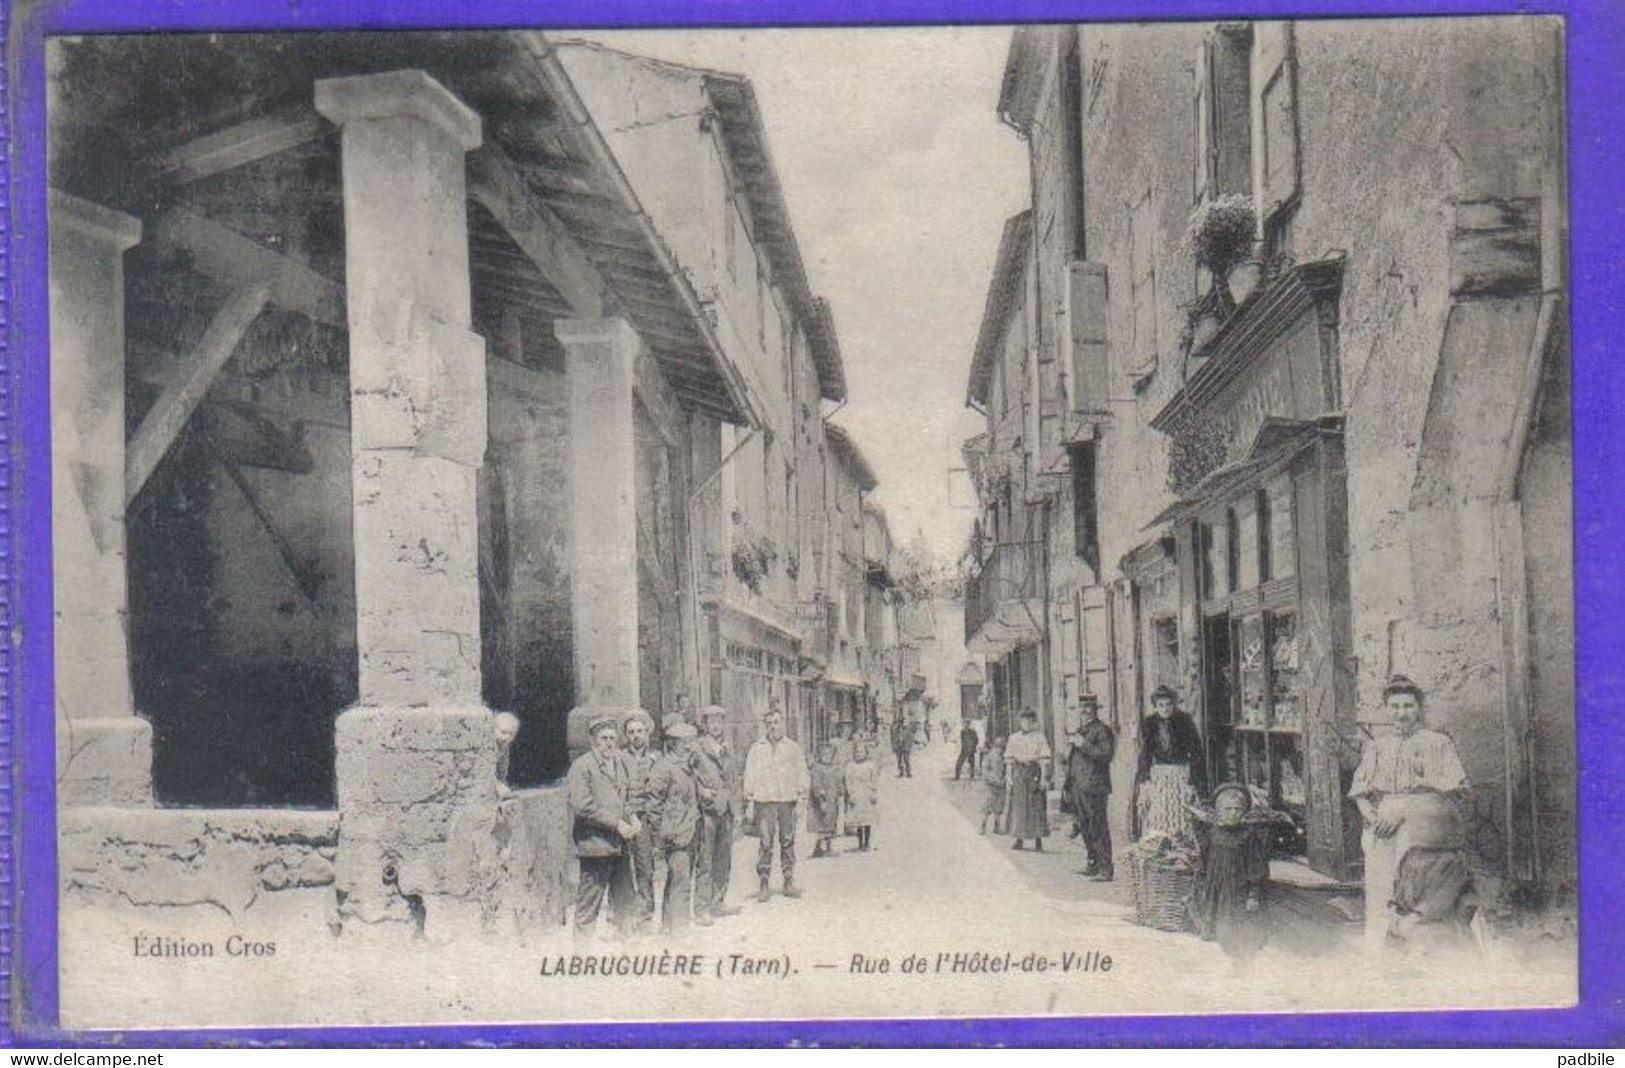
pixel 1232 876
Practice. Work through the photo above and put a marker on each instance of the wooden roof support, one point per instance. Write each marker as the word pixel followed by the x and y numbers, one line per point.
pixel 175 406
pixel 223 254
pixel 497 184
pixel 658 401
pixel 242 144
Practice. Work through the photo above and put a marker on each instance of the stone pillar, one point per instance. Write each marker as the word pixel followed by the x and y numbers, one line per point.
pixel 418 753
pixel 104 751
pixel 601 359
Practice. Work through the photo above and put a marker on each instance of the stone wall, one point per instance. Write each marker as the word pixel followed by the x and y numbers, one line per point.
pixel 271 871
pixel 264 865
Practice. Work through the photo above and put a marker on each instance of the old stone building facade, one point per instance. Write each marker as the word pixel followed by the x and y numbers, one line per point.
pixel 399 379
pixel 1271 490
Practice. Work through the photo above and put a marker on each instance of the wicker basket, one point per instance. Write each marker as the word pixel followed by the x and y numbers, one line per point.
pixel 1161 892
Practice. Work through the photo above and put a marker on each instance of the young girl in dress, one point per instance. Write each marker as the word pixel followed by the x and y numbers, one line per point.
pixel 1232 878
pixel 862 790
pixel 824 809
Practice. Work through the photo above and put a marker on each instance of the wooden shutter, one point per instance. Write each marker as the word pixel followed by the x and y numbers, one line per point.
pixel 1205 157
pixel 1275 117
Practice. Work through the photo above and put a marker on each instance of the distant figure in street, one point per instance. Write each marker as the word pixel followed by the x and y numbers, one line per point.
pixel 775 779
pixel 1027 756
pixel 843 743
pixel 674 819
pixel 993 777
pixel 861 788
pixel 716 772
pixel 601 824
pixel 945 735
pixel 902 744
pixel 1171 769
pixel 968 742
pixel 1089 784
pixel 927 726
pixel 639 757
pixel 824 802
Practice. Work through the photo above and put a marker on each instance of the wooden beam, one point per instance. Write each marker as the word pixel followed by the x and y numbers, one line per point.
pixel 177 403
pixel 497 185
pixel 519 378
pixel 649 557
pixel 242 144
pixel 656 397
pixel 227 256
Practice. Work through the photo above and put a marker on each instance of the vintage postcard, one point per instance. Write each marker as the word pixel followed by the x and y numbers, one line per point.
pixel 812 523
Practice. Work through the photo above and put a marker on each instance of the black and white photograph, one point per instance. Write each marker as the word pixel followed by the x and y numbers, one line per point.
pixel 811 523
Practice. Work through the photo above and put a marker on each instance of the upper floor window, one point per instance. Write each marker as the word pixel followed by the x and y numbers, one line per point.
pixel 1085 510
pixel 1223 113
pixel 1275 127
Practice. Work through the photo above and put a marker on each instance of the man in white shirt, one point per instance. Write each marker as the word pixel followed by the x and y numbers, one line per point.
pixel 775 779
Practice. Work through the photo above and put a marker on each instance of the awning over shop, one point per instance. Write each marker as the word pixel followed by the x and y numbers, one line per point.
pixel 1276 443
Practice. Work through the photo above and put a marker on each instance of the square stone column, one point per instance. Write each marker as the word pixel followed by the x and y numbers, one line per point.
pixel 418 754
pixel 601 362
pixel 104 751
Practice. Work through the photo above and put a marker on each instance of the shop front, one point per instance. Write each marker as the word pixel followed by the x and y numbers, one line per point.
pixel 760 668
pixel 1242 595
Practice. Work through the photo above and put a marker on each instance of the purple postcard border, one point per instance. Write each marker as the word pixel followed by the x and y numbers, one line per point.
pixel 28 967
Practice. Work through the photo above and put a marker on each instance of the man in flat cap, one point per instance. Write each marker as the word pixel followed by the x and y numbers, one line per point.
pixel 674 818
pixel 716 771
pixel 638 756
pixel 1089 783
pixel 601 825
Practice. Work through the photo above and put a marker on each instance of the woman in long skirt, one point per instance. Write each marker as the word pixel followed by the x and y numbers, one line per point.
pixel 1171 768
pixel 1027 756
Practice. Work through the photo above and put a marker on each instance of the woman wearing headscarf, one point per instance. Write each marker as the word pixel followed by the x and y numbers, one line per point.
pixel 1172 769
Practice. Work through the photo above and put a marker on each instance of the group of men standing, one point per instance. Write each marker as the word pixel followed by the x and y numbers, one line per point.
pixel 636 808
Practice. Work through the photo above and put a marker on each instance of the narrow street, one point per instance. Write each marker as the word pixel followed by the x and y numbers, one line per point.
pixel 932 891
pixel 936 873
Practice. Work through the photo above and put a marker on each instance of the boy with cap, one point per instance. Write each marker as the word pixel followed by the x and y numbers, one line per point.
pixel 716 772
pixel 674 817
pixel 601 825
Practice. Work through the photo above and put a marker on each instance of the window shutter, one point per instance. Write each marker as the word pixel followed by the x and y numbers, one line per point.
pixel 1204 163
pixel 1088 311
pixel 1275 117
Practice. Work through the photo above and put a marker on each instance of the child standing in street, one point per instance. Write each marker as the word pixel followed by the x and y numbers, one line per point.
pixel 862 790
pixel 824 808
pixel 1231 881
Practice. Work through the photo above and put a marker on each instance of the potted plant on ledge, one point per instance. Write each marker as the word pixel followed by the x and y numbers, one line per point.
pixel 1220 236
